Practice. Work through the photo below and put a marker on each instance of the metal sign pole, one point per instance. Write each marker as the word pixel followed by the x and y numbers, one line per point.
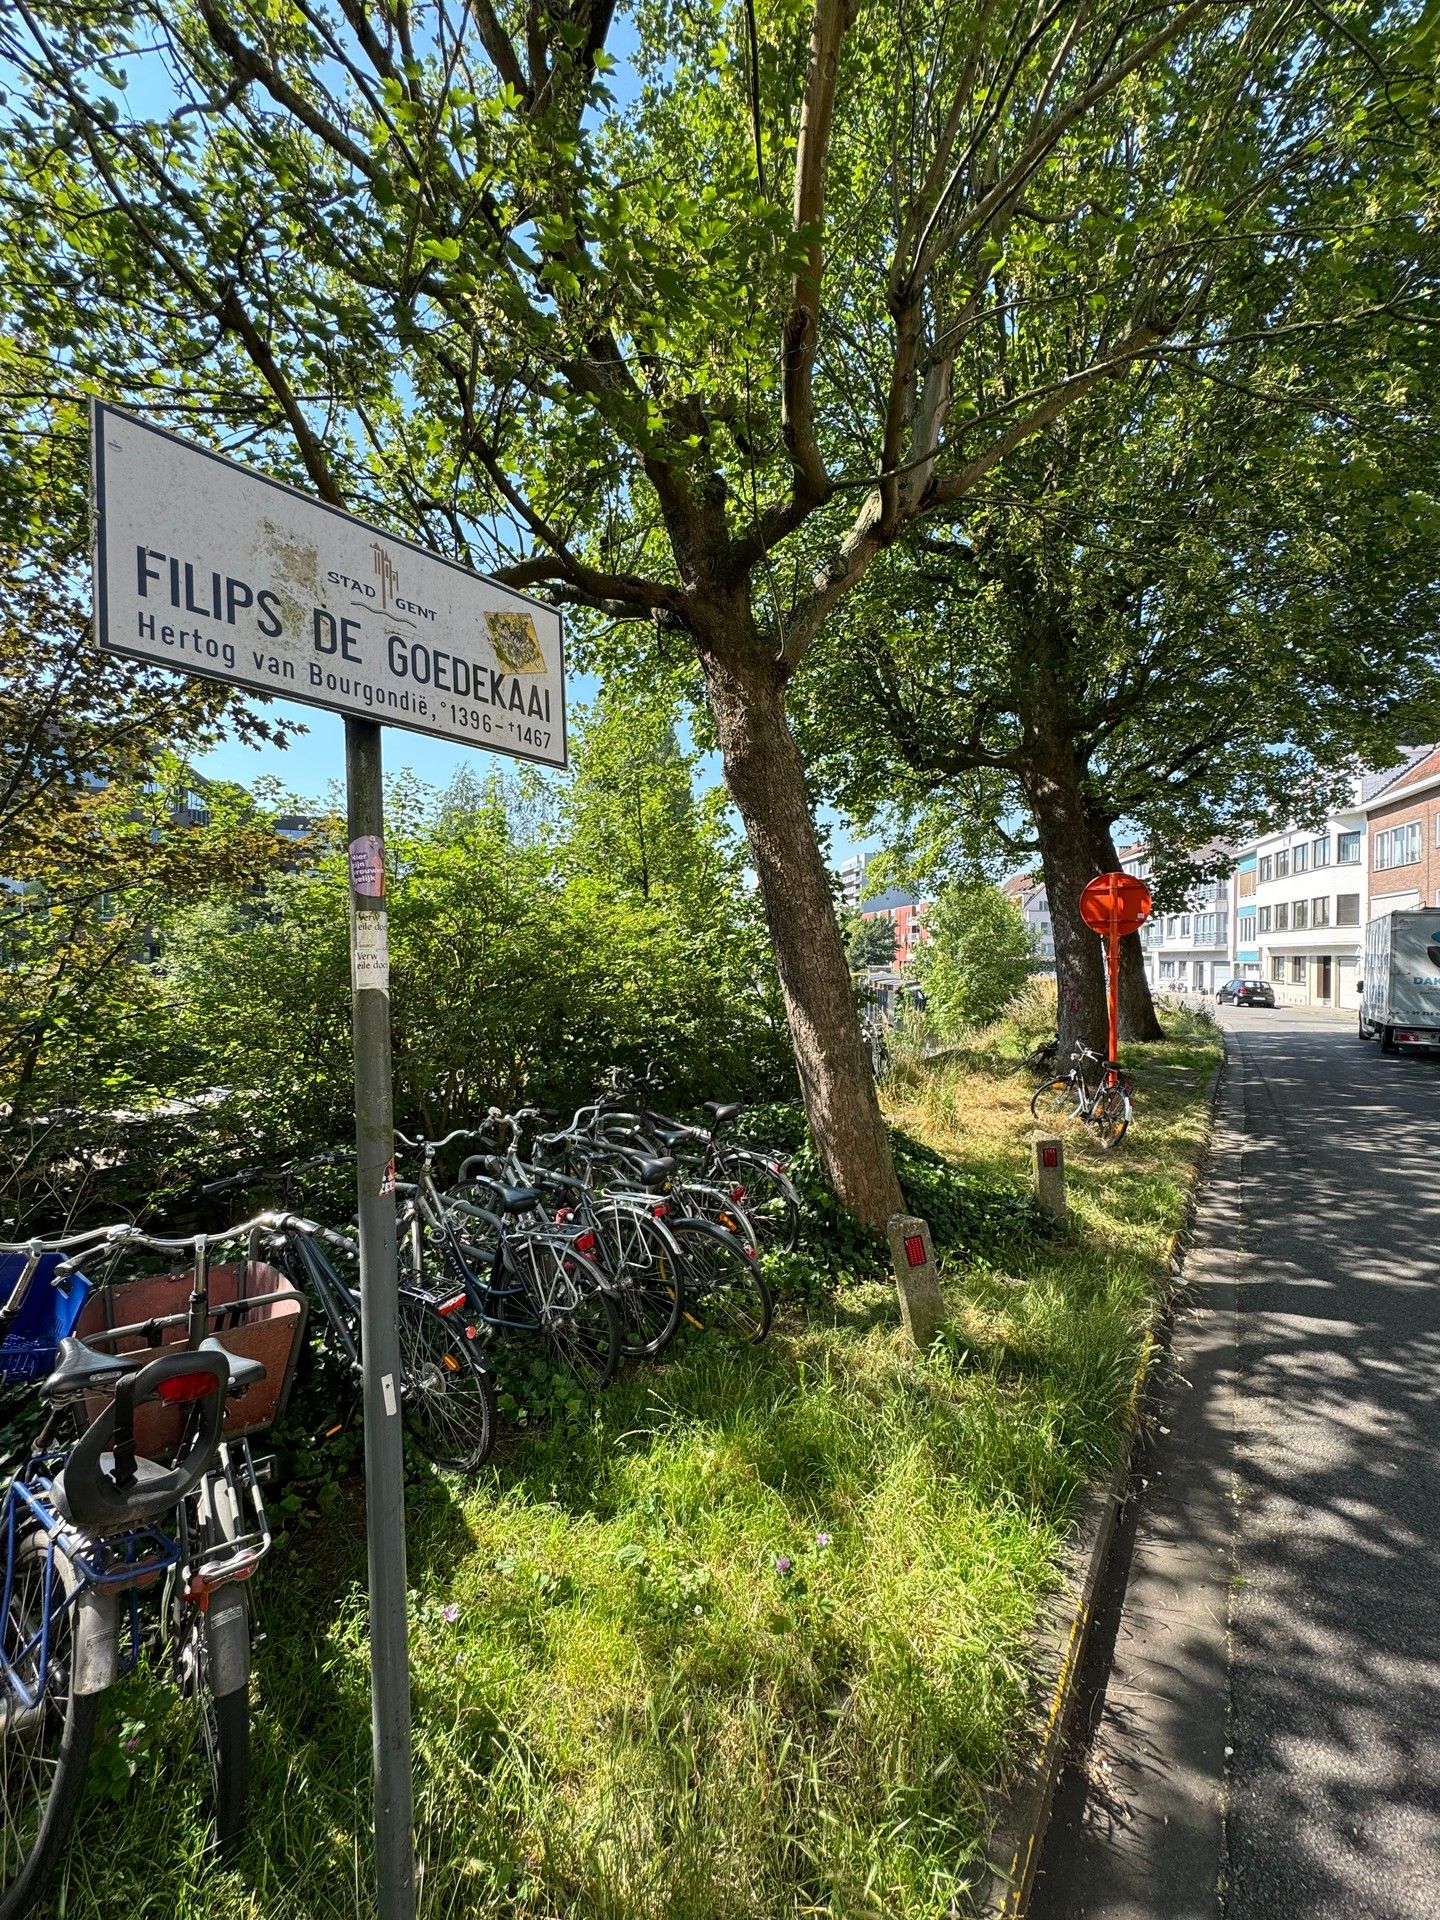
pixel 379 1333
pixel 1112 960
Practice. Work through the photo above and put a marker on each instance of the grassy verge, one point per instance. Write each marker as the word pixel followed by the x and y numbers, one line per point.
pixel 745 1642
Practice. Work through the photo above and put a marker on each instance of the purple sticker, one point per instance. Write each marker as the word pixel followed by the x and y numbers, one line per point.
pixel 367 866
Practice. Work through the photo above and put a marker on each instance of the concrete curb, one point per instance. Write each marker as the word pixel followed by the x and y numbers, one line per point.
pixel 1023 1807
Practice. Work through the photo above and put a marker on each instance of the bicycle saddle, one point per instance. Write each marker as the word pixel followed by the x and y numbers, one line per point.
pixel 244 1372
pixel 722 1111
pixel 654 1173
pixel 513 1199
pixel 104 1487
pixel 79 1369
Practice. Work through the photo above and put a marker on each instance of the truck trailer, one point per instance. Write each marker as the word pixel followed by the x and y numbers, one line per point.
pixel 1400 986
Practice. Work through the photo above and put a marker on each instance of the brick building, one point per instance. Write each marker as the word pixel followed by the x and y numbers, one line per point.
pixel 906 914
pixel 1403 823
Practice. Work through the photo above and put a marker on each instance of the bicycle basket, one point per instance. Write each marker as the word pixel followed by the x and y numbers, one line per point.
pixel 47 1313
pixel 254 1310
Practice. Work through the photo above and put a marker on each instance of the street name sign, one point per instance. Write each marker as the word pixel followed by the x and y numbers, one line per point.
pixel 210 567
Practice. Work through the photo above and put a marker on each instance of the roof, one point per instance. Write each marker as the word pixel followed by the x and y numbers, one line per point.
pixel 889 901
pixel 1411 767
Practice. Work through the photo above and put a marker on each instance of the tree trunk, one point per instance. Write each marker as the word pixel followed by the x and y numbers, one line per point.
pixel 766 779
pixel 1054 790
pixel 1137 1008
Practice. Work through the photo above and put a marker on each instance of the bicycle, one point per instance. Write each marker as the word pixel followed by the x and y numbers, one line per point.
pixel 720 1269
pixel 1105 1106
pixel 757 1181
pixel 621 1231
pixel 523 1278
pixel 448 1401
pixel 81 1540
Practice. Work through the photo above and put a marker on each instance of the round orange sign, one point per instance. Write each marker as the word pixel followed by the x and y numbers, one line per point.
pixel 1115 903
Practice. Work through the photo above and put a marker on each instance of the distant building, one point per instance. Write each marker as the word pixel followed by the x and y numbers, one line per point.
pixel 906 914
pixel 1302 895
pixel 851 874
pixel 1188 951
pixel 1027 891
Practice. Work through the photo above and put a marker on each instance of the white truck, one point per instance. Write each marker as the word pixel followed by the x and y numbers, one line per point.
pixel 1400 981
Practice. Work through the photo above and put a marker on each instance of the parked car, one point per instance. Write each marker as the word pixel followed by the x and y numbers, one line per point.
pixel 1246 993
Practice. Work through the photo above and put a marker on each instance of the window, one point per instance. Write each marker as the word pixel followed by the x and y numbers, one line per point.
pixel 1264 919
pixel 1245 928
pixel 1282 864
pixel 1207 930
pixel 1167 969
pixel 1267 867
pixel 1437 829
pixel 1297 970
pixel 1347 849
pixel 1180 966
pixel 1282 918
pixel 1320 912
pixel 1347 909
pixel 1320 851
pixel 1300 915
pixel 1277 968
pixel 1247 879
pixel 1302 859
pixel 1397 847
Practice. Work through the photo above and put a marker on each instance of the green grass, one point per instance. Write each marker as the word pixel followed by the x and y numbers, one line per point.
pixel 627 1704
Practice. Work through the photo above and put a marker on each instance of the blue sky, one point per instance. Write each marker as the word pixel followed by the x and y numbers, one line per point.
pixel 315 761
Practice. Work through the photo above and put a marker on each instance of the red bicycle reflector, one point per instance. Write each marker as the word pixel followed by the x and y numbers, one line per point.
pixel 660 1212
pixel 186 1386
pixel 451 1306
pixel 472 1333
pixel 584 1243
pixel 915 1250
pixel 1049 1156
pixel 737 1193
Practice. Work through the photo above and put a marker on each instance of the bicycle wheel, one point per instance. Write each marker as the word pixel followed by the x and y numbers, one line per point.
pixel 1054 1101
pixel 643 1263
pixel 578 1319
pixel 1112 1116
pixel 771 1203
pixel 723 1281
pixel 209 1524
pixel 44 1749
pixel 447 1397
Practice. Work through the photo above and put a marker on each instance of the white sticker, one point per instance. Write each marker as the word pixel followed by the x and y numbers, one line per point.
pixel 370 954
pixel 387 1391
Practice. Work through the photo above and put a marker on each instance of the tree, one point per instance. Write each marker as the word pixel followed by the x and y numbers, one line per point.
pixel 870 942
pixel 694 361
pixel 1192 609
pixel 979 955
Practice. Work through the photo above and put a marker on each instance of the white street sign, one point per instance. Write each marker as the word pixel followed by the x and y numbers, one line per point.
pixel 212 568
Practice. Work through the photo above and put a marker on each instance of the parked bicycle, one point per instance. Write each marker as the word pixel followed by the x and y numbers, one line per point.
pixel 168 1409
pixel 1104 1104
pixel 518 1272
pixel 447 1385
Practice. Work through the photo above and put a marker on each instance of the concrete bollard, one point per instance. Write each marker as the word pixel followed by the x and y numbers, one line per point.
pixel 1049 1168
pixel 917 1279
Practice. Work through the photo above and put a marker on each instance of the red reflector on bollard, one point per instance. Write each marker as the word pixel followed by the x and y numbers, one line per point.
pixel 1049 1156
pixel 915 1250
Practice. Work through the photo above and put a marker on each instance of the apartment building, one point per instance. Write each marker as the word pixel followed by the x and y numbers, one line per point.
pixel 851 875
pixel 1027 891
pixel 1188 951
pixel 1302 896
pixel 906 914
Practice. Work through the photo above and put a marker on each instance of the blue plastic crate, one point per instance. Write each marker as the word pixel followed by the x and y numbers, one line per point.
pixel 47 1313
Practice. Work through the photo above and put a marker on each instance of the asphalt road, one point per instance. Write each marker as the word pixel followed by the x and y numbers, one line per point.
pixel 1261 1736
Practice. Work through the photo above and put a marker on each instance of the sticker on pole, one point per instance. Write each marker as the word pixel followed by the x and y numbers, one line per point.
pixel 1115 903
pixel 370 954
pixel 367 866
pixel 209 567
